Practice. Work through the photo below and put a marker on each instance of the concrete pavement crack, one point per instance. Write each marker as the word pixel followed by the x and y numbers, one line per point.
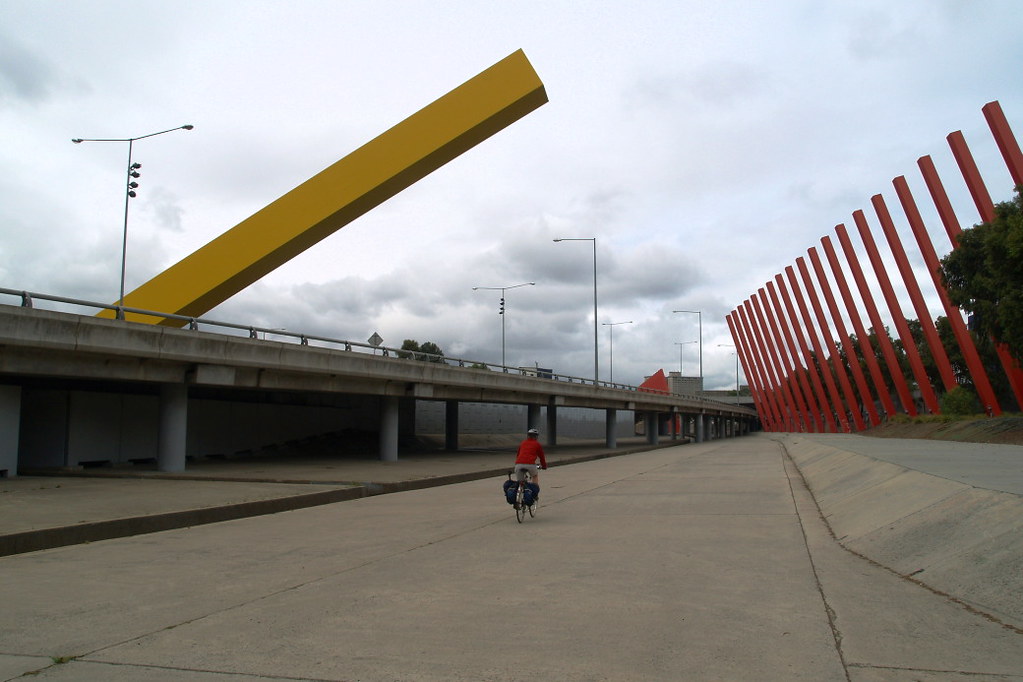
pixel 788 465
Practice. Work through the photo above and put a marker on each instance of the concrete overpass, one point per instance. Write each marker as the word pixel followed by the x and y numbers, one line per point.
pixel 76 388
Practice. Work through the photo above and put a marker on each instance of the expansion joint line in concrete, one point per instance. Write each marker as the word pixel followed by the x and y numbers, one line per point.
pixel 290 588
pixel 142 667
pixel 788 466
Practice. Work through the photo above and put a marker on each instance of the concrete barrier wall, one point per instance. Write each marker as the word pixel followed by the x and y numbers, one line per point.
pixel 960 540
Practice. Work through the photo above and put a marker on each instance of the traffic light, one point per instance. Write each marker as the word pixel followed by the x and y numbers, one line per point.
pixel 501 311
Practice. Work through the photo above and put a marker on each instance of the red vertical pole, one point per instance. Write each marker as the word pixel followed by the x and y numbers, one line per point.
pixel 940 198
pixel 747 367
pixel 883 394
pixel 955 317
pixel 866 400
pixel 986 208
pixel 843 378
pixel 908 344
pixel 1006 141
pixel 923 315
pixel 823 415
pixel 875 319
pixel 775 338
pixel 800 372
pixel 835 404
pixel 968 167
pixel 770 390
pixel 782 390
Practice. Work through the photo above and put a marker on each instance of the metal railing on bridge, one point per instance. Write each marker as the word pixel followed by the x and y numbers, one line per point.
pixel 28 299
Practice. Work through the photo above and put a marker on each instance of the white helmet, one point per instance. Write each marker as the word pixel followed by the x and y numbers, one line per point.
pixel 532 432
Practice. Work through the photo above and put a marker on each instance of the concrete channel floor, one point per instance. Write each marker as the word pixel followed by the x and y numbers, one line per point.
pixel 696 562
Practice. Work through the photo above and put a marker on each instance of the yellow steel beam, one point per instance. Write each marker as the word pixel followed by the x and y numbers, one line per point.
pixel 331 199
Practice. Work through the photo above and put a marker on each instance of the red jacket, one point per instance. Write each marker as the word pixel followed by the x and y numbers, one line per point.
pixel 529 450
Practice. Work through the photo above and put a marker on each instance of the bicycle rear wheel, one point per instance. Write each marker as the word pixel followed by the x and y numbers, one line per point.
pixel 520 505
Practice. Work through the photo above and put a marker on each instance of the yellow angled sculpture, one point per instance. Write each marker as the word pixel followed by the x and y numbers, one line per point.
pixel 331 199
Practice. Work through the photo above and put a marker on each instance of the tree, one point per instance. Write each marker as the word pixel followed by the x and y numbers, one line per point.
pixel 984 275
pixel 428 352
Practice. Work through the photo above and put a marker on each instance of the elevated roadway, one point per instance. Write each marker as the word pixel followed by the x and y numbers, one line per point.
pixel 48 350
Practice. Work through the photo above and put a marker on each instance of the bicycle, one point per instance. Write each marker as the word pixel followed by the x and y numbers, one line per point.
pixel 521 508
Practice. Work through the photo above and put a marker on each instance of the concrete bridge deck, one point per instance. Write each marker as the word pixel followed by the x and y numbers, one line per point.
pixel 710 561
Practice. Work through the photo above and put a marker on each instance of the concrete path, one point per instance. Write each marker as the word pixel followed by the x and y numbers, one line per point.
pixel 700 562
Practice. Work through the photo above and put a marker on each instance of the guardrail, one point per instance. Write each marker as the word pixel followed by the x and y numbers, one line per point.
pixel 28 299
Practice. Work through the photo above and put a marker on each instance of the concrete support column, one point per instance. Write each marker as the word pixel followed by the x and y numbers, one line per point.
pixel 10 425
pixel 611 428
pixel 700 424
pixel 388 429
pixel 170 454
pixel 552 424
pixel 532 416
pixel 675 418
pixel 652 428
pixel 451 425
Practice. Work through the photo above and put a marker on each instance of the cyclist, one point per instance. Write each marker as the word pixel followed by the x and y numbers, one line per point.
pixel 530 450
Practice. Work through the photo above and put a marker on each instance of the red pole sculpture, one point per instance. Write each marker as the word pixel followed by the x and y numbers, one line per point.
pixel 908 343
pixel 922 313
pixel 986 208
pixel 770 390
pixel 881 388
pixel 954 315
pixel 836 361
pixel 835 404
pixel 1006 140
pixel 823 416
pixel 773 366
pixel 747 367
pixel 793 350
pixel 775 339
pixel 875 319
pixel 866 400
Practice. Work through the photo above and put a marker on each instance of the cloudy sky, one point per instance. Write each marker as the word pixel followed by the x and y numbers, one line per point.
pixel 705 145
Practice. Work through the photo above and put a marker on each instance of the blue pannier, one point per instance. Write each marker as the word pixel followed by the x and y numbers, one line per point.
pixel 509 491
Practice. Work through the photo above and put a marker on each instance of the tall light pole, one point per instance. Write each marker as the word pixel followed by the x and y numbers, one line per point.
pixel 611 329
pixel 596 376
pixel 700 318
pixel 681 356
pixel 501 311
pixel 736 354
pixel 129 192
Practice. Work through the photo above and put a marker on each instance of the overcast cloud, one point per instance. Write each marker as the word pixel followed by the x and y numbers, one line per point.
pixel 705 145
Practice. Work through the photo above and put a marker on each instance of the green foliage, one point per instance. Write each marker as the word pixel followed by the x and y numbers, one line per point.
pixel 960 401
pixel 984 275
pixel 427 352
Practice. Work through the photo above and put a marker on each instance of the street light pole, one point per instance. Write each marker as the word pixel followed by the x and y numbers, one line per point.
pixel 700 318
pixel 611 328
pixel 681 356
pixel 501 311
pixel 736 354
pixel 596 376
pixel 129 192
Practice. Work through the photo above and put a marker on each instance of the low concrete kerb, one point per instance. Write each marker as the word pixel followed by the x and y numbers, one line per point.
pixel 50 538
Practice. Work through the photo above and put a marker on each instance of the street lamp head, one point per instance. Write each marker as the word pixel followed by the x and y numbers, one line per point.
pixel 188 126
pixel 557 240
pixel 77 140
